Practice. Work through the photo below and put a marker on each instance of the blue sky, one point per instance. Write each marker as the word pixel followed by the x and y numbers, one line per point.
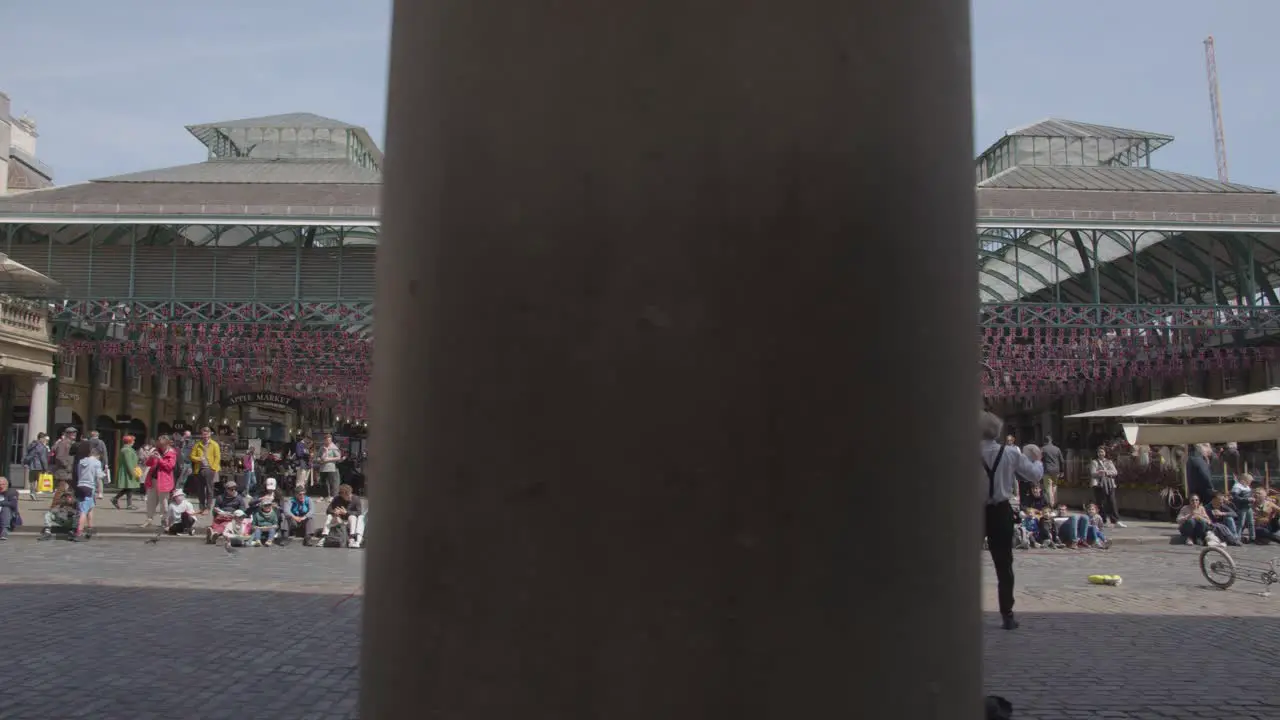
pixel 113 84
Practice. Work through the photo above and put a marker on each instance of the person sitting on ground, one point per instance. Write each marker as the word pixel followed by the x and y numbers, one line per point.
pixel 298 514
pixel 225 507
pixel 1242 499
pixel 61 515
pixel 1033 528
pixel 179 515
pixel 1266 517
pixel 270 489
pixel 238 529
pixel 1223 516
pixel 345 509
pixel 1073 528
pixel 10 517
pixel 1094 535
pixel 1046 533
pixel 1194 524
pixel 89 473
pixel 266 521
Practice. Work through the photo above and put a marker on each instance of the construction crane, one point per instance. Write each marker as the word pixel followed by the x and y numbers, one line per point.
pixel 1215 105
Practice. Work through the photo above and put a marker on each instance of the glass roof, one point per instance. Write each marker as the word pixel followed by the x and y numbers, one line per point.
pixel 1068 143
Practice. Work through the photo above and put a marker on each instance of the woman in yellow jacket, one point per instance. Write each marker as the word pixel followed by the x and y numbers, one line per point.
pixel 206 463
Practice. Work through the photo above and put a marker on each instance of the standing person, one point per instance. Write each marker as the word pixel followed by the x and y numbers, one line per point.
pixel 1102 478
pixel 1004 466
pixel 206 462
pixel 330 456
pixel 36 461
pixel 64 457
pixel 1053 465
pixel 302 452
pixel 250 472
pixel 1231 463
pixel 160 481
pixel 184 461
pixel 1199 476
pixel 96 443
pixel 89 473
pixel 128 473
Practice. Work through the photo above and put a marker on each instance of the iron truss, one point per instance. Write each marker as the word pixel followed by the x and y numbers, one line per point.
pixel 356 316
pixel 1262 318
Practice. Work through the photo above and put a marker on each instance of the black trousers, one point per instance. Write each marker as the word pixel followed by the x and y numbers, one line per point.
pixel 184 524
pixel 1106 502
pixel 999 527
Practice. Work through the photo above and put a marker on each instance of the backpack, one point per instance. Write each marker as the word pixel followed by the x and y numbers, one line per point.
pixel 337 536
pixel 29 457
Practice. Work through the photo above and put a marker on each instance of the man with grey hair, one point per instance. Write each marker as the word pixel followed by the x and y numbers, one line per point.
pixel 1004 466
pixel 1199 474
pixel 1053 465
pixel 97 443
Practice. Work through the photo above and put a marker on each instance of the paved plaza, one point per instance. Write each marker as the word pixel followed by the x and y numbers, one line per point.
pixel 179 629
pixel 158 627
pixel 1162 645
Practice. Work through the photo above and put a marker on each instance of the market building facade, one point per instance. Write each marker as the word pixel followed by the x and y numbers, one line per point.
pixel 179 287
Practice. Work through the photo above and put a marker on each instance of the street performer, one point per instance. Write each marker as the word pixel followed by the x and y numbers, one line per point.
pixel 1004 466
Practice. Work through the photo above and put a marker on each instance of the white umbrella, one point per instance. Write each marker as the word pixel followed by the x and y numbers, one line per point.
pixel 1257 406
pixel 19 279
pixel 1149 408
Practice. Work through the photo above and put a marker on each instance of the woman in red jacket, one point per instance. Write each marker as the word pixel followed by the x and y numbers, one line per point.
pixel 160 478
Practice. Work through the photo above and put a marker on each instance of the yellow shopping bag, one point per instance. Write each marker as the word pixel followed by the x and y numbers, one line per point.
pixel 44 483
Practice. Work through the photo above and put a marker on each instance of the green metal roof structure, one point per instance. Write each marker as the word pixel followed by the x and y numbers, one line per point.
pixel 1075 229
pixel 1073 213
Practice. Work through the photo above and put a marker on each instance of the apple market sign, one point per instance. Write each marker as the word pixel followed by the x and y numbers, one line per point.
pixel 278 401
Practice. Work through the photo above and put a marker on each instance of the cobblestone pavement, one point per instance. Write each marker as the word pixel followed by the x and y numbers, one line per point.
pixel 1163 644
pixel 158 631
pixel 121 614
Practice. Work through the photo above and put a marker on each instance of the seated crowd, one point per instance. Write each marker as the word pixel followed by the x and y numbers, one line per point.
pixel 269 519
pixel 234 518
pixel 1246 515
pixel 1040 525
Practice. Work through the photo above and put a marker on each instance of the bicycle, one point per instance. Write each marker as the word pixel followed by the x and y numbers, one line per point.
pixel 1222 571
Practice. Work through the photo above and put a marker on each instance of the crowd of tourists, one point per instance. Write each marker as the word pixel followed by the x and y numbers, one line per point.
pixel 1244 512
pixel 1041 522
pixel 173 469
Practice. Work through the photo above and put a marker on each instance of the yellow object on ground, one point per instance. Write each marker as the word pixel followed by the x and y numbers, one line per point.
pixel 1105 579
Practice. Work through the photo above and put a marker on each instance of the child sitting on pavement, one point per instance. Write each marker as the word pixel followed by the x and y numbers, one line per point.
pixel 238 530
pixel 179 515
pixel 1037 520
pixel 265 521
pixel 1094 536
pixel 61 515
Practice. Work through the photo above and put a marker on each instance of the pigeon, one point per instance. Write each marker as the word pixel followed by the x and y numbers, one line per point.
pixel 231 551
pixel 155 539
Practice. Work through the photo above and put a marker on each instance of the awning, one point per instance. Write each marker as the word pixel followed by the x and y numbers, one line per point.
pixel 1149 408
pixel 1205 433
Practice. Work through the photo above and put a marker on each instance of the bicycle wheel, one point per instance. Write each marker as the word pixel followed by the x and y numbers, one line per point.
pixel 1217 567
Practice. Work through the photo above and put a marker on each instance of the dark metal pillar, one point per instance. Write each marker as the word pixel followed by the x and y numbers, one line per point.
pixel 628 324
pixel 91 422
